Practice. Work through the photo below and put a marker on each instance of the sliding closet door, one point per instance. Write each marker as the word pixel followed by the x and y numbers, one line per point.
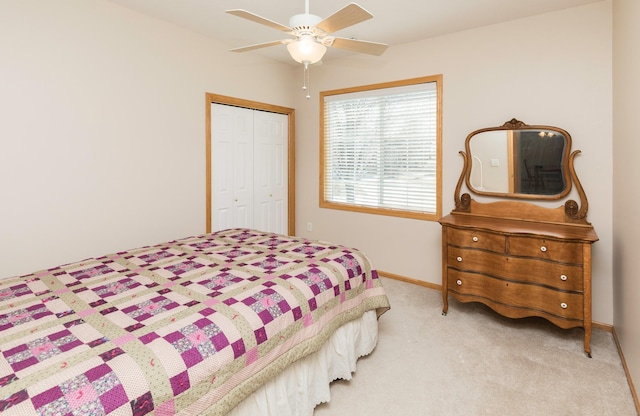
pixel 249 165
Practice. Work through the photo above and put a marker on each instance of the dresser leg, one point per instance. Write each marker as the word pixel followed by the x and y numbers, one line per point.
pixel 587 343
pixel 445 304
pixel 587 338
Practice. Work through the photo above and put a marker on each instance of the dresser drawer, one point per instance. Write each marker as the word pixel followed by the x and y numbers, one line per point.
pixel 563 251
pixel 543 272
pixel 517 295
pixel 476 239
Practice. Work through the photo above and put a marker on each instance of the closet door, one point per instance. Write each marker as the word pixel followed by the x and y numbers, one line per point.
pixel 231 167
pixel 270 171
pixel 249 166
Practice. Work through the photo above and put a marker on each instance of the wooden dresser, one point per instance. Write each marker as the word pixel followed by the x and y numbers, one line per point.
pixel 519 258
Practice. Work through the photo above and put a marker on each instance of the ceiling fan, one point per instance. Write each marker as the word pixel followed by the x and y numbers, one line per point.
pixel 312 33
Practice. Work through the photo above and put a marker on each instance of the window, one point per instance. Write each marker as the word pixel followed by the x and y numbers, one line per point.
pixel 380 148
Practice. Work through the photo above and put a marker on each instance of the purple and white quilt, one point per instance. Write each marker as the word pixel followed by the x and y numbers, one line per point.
pixel 188 327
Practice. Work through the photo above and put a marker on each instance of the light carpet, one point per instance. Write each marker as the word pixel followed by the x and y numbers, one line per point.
pixel 475 362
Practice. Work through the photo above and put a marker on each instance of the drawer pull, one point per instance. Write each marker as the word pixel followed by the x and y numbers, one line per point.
pixel 563 305
pixel 459 282
pixel 459 259
pixel 543 249
pixel 475 239
pixel 563 277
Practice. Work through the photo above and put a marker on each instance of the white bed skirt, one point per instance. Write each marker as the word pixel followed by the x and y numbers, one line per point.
pixel 305 384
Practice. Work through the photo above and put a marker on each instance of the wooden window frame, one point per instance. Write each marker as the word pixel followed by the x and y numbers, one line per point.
pixel 430 216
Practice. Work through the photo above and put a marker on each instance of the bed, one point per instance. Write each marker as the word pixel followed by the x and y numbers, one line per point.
pixel 220 323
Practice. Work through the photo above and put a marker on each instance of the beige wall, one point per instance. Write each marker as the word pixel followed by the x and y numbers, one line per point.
pixel 102 131
pixel 550 69
pixel 626 171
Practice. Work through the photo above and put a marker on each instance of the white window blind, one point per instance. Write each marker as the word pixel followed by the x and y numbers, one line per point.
pixel 380 148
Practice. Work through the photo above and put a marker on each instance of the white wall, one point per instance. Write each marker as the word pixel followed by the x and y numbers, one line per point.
pixel 102 128
pixel 552 69
pixel 626 171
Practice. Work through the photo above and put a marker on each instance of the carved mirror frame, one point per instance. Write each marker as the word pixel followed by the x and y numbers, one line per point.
pixel 508 168
pixel 571 211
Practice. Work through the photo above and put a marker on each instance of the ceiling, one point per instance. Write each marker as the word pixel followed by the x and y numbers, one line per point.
pixel 394 21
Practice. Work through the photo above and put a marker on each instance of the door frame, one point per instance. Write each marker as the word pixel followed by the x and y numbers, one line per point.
pixel 291 168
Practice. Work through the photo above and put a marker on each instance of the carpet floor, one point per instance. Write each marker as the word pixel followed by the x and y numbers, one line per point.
pixel 475 362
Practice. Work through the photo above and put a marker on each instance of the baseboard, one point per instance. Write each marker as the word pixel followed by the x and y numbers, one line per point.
pixel 599 325
pixel 626 371
pixel 410 280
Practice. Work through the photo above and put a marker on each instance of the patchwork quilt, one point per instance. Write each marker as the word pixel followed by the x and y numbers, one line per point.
pixel 187 327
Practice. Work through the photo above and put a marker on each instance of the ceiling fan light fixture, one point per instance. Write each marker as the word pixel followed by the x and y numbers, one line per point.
pixel 306 49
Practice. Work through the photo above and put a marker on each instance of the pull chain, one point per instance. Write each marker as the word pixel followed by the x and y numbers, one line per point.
pixel 305 85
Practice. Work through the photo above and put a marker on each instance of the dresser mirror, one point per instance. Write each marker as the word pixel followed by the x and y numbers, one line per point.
pixel 519 161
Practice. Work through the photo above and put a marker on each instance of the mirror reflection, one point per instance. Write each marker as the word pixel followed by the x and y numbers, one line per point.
pixel 522 161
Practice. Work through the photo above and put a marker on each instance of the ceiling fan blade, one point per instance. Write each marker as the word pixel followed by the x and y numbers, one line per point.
pixel 260 45
pixel 259 19
pixel 362 46
pixel 347 16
